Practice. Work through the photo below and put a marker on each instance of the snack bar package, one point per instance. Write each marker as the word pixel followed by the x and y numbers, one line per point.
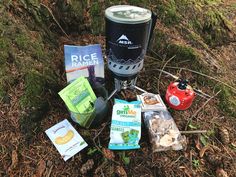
pixel 125 125
pixel 151 102
pixel 80 98
pixel 163 132
pixel 66 139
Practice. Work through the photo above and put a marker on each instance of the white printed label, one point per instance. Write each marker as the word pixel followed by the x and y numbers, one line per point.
pixel 174 100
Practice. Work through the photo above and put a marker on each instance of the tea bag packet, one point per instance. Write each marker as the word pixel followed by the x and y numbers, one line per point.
pixel 125 125
pixel 79 98
pixel 163 132
pixel 151 102
pixel 66 139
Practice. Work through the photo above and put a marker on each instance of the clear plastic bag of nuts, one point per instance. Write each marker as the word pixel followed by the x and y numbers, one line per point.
pixel 163 132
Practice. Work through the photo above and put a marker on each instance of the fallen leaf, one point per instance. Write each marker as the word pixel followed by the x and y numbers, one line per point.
pixel 120 171
pixel 186 171
pixel 14 159
pixel 198 144
pixel 221 173
pixel 203 150
pixel 233 144
pixel 87 166
pixel 41 168
pixel 108 154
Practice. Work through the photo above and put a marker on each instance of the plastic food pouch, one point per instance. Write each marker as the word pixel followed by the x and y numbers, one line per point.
pixel 79 98
pixel 163 132
pixel 125 125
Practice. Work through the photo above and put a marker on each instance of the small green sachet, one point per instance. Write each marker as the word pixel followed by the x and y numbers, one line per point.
pixel 79 99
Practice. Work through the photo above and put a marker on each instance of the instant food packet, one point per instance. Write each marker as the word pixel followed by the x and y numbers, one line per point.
pixel 125 125
pixel 66 139
pixel 151 102
pixel 79 99
pixel 163 132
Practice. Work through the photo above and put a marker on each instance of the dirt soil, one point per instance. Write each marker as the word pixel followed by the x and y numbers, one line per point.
pixel 208 154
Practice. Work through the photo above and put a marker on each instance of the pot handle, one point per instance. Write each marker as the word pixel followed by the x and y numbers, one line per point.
pixel 153 24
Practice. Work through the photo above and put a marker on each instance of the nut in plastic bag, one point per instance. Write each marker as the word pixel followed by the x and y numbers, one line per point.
pixel 163 132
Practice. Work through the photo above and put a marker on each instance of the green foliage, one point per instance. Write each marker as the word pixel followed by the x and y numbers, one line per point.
pixel 92 150
pixel 196 163
pixel 125 159
pixel 192 126
pixel 203 140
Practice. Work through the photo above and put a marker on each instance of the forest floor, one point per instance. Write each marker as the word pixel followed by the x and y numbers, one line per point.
pixel 208 154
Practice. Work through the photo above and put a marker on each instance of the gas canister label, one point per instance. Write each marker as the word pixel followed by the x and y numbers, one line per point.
pixel 174 100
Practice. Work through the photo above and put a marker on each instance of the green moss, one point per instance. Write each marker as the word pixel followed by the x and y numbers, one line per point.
pixel 167 12
pixel 214 27
pixel 37 50
pixel 3 57
pixel 227 102
pixel 4 79
pixel 30 121
pixel 97 24
pixel 182 52
pixel 4 43
pixel 2 92
pixel 142 3
pixel 22 41
pixel 33 90
pixel 212 2
pixel 159 41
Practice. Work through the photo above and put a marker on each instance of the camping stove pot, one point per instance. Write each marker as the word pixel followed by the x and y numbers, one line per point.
pixel 128 30
pixel 180 95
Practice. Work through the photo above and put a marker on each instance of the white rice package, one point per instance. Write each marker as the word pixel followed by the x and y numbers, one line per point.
pixel 125 125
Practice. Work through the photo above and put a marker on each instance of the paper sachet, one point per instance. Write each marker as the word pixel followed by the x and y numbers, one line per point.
pixel 66 139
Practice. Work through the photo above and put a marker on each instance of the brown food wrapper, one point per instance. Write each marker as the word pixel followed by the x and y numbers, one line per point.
pixel 163 132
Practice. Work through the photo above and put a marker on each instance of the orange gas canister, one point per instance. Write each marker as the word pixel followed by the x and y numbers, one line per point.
pixel 180 95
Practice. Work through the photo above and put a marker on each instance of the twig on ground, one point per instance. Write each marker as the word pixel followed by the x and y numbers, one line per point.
pixel 28 157
pixel 95 144
pixel 50 171
pixel 156 54
pixel 193 132
pixel 172 163
pixel 50 11
pixel 158 84
pixel 100 131
pixel 190 119
pixel 153 58
pixel 191 159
